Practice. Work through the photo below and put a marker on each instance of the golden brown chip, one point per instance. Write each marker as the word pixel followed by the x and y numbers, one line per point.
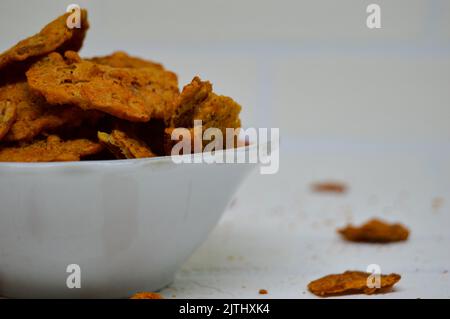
pixel 375 231
pixel 198 102
pixel 351 282
pixel 147 295
pixel 132 94
pixel 121 59
pixel 51 150
pixel 34 115
pixel 8 113
pixel 55 36
pixel 124 146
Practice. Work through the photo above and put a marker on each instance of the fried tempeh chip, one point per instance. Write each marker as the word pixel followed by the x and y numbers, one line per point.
pixel 375 231
pixel 33 115
pixel 55 36
pixel 351 282
pixel 146 295
pixel 137 95
pixel 121 59
pixel 124 146
pixel 51 150
pixel 8 112
pixel 197 101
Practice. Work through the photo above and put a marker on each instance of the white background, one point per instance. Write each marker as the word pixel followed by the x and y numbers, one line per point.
pixel 369 107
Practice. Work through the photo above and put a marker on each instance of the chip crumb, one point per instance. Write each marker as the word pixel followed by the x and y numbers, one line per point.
pixel 147 295
pixel 375 231
pixel 437 204
pixel 351 282
pixel 329 187
pixel 263 292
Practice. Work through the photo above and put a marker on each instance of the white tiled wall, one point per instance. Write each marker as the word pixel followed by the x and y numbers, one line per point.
pixel 382 99
pixel 443 25
pixel 311 68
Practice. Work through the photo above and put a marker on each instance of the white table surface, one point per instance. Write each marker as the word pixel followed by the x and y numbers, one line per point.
pixel 278 235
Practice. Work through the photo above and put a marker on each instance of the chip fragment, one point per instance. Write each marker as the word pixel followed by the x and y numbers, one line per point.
pixel 352 282
pixel 34 115
pixel 8 113
pixel 53 149
pixel 198 102
pixel 131 94
pixel 124 146
pixel 375 231
pixel 55 36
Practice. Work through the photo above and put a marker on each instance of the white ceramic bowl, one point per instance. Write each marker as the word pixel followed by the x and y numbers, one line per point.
pixel 128 224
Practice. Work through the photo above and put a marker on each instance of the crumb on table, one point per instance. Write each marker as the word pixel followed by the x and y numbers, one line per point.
pixel 146 295
pixel 329 187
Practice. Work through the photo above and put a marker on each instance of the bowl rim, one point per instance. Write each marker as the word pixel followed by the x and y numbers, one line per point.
pixel 126 162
